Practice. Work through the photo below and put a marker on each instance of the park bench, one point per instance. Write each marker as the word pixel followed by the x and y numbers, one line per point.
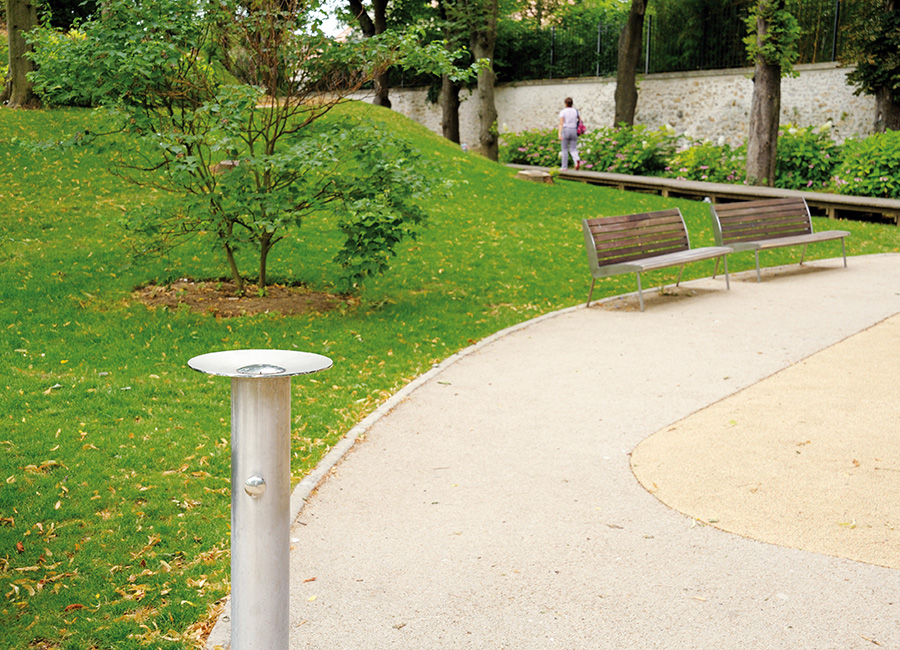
pixel 634 243
pixel 768 223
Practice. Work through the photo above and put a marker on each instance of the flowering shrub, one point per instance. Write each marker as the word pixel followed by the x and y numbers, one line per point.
pixel 807 157
pixel 871 167
pixel 705 161
pixel 627 150
pixel 538 148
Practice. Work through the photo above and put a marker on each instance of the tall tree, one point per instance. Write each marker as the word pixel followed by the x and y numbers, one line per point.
pixel 874 46
pixel 626 95
pixel 372 26
pixel 772 44
pixel 21 17
pixel 483 16
pixel 448 15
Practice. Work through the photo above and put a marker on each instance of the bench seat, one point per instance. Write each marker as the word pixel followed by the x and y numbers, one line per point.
pixel 766 224
pixel 635 243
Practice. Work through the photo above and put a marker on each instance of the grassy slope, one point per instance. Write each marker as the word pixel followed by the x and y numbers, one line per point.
pixel 114 456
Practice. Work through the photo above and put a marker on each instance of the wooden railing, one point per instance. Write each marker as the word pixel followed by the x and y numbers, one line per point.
pixel 835 206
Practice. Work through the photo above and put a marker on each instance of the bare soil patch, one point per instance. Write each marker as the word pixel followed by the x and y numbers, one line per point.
pixel 220 298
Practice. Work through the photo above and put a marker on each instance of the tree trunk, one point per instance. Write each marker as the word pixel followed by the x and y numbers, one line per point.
pixel 382 90
pixel 372 27
pixel 450 109
pixel 765 108
pixel 484 37
pixel 265 245
pixel 21 17
pixel 887 111
pixel 629 57
pixel 233 268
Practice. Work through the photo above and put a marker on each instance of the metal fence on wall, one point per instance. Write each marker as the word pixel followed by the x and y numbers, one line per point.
pixel 673 41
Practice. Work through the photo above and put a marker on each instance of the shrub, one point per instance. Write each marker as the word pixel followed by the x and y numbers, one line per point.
pixel 807 157
pixel 627 150
pixel 539 148
pixel 870 167
pixel 706 161
pixel 62 78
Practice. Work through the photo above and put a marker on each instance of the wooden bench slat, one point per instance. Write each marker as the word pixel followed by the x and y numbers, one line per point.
pixel 758 230
pixel 602 240
pixel 669 223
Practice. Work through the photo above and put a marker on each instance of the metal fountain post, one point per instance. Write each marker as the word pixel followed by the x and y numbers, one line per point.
pixel 260 487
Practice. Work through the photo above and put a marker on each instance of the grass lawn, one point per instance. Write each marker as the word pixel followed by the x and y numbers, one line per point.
pixel 114 455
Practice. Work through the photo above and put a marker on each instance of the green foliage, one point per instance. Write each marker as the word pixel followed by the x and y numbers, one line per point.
pixel 875 49
pixel 707 161
pixel 807 157
pixel 563 45
pixel 131 55
pixel 540 148
pixel 62 78
pixel 381 201
pixel 697 34
pixel 870 167
pixel 627 150
pixel 778 45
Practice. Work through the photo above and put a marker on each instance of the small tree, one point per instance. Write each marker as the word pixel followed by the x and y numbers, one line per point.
pixel 772 44
pixel 243 159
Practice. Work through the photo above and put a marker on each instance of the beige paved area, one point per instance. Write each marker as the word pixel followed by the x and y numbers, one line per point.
pixel 808 458
pixel 493 504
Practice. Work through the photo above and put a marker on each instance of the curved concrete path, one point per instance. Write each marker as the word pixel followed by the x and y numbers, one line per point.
pixel 495 506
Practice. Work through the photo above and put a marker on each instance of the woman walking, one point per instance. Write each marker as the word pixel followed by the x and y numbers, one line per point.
pixel 568 134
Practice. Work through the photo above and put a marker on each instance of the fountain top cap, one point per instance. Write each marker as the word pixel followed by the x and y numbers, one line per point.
pixel 254 364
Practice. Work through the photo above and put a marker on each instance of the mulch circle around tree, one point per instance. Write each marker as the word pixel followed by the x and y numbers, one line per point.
pixel 219 298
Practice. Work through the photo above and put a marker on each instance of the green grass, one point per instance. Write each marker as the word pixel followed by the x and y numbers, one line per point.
pixel 114 456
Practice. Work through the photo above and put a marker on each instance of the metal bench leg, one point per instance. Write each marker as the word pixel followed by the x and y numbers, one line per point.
pixel 758 278
pixel 844 252
pixel 591 293
pixel 640 291
pixel 680 271
pixel 716 270
pixel 803 254
pixel 725 263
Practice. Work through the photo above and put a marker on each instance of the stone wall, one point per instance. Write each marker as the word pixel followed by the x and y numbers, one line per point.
pixel 706 105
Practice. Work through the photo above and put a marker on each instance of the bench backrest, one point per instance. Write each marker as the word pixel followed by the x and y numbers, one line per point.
pixel 765 219
pixel 614 240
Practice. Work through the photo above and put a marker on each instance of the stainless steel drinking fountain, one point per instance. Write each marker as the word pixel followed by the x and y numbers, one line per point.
pixel 260 487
